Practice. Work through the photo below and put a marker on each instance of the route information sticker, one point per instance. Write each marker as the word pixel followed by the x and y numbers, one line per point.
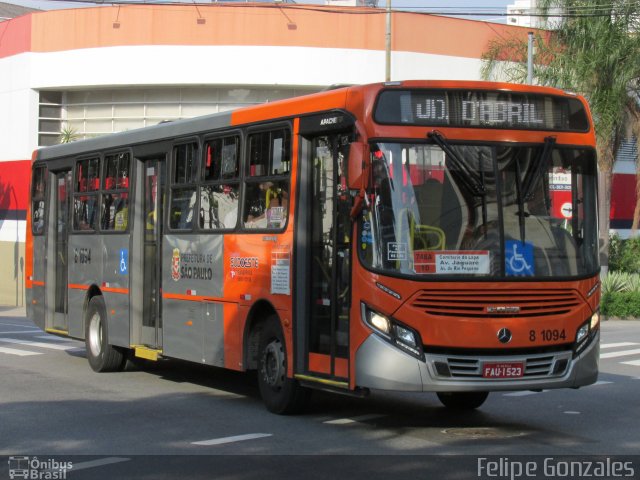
pixel 280 277
pixel 452 262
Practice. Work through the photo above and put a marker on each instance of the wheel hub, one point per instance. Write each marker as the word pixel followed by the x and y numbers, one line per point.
pixel 273 365
pixel 95 334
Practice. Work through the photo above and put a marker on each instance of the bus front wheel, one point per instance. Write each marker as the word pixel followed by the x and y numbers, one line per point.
pixel 102 356
pixel 281 394
pixel 462 400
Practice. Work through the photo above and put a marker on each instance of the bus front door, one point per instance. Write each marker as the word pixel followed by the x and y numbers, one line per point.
pixel 329 269
pixel 59 251
pixel 153 188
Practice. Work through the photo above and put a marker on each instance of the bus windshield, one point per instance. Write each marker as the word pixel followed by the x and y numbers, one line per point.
pixel 480 210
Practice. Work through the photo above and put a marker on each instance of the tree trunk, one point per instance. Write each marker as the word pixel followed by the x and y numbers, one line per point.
pixel 606 158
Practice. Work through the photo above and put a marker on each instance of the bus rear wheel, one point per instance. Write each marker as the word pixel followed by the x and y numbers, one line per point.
pixel 462 400
pixel 102 356
pixel 281 395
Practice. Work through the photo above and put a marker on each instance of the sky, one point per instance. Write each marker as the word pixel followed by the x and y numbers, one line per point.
pixel 491 7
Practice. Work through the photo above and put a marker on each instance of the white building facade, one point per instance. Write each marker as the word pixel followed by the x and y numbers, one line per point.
pixel 94 71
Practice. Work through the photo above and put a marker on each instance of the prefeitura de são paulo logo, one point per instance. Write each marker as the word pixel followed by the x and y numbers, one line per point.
pixel 175 265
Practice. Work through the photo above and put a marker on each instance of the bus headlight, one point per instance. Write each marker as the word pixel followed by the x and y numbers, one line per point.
pixel 400 335
pixel 379 322
pixel 586 333
pixel 583 331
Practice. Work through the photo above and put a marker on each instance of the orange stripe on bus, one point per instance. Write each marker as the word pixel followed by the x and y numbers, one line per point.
pixel 75 286
pixel 37 283
pixel 194 298
pixel 124 291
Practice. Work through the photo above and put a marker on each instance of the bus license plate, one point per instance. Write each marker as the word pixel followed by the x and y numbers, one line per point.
pixel 503 370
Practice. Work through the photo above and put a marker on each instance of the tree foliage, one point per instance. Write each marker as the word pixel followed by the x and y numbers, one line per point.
pixel 592 48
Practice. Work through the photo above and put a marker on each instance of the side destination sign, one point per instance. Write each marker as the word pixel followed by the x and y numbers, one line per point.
pixel 481 109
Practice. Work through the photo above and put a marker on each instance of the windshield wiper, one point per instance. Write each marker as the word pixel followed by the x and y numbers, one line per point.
pixel 541 165
pixel 525 190
pixel 467 175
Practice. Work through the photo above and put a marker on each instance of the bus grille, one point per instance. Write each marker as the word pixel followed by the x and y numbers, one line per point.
pixel 470 367
pixel 482 303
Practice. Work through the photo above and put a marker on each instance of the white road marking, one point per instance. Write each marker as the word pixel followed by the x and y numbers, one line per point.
pixel 237 438
pixel 522 394
pixel 21 353
pixel 346 421
pixel 19 325
pixel 616 345
pixel 54 338
pixel 18 331
pixel 601 382
pixel 635 363
pixel 98 463
pixel 29 343
pixel 623 353
pixel 572 413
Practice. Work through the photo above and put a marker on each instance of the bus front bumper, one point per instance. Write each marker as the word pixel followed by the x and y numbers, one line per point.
pixel 381 366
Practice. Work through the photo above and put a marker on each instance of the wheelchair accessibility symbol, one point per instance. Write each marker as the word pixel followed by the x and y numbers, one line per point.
pixel 124 261
pixel 518 258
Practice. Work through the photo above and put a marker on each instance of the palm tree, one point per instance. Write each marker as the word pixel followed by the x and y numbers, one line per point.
pixel 593 50
pixel 68 134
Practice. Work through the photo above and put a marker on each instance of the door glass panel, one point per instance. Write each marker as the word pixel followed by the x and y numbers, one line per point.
pixel 330 249
pixel 152 204
pixel 63 183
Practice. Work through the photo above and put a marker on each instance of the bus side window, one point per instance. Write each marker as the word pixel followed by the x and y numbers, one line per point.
pixel 115 196
pixel 85 197
pixel 38 185
pixel 220 193
pixel 267 186
pixel 183 186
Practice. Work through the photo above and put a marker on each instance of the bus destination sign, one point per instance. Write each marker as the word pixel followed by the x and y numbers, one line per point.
pixel 481 109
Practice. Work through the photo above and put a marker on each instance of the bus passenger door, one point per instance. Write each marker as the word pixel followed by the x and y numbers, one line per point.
pixel 329 269
pixel 152 203
pixel 58 251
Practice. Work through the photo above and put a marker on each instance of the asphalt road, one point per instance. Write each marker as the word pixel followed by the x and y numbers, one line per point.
pixel 180 420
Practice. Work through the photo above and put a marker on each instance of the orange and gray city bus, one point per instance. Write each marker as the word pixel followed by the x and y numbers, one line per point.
pixel 436 236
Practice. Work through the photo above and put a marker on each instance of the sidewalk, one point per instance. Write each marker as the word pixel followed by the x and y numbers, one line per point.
pixel 8 311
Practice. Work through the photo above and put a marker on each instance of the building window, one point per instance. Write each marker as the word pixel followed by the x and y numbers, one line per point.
pixel 98 112
pixel 49 118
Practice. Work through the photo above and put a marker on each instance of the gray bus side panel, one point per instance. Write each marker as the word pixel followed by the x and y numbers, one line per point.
pixel 85 269
pixel 115 262
pixel 193 330
pixel 213 334
pixel 35 296
pixel 182 329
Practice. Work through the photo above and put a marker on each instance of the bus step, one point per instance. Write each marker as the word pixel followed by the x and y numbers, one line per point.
pixel 55 331
pixel 334 386
pixel 147 353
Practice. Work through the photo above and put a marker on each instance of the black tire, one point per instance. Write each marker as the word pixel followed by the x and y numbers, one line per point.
pixel 102 356
pixel 462 400
pixel 281 395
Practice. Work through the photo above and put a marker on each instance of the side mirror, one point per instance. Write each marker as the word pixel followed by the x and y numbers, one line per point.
pixel 358 165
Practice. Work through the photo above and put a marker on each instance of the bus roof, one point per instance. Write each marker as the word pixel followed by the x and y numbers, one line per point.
pixel 322 101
